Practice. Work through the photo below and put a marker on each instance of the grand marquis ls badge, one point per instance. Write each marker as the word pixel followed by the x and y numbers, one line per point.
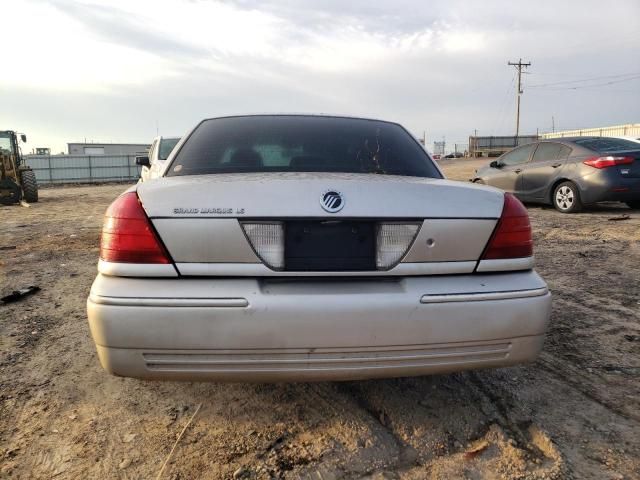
pixel 332 201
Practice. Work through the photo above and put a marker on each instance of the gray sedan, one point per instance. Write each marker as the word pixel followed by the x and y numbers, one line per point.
pixel 569 172
pixel 297 247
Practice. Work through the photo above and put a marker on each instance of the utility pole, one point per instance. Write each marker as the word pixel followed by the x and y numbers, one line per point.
pixel 519 67
pixel 553 124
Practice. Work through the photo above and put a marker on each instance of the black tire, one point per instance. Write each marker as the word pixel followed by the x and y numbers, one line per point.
pixel 29 186
pixel 566 198
pixel 635 205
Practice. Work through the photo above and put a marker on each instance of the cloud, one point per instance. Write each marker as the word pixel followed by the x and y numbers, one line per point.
pixel 117 26
pixel 109 72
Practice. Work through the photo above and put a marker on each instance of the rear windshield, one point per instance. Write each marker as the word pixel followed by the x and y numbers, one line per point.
pixel 607 145
pixel 166 145
pixel 301 144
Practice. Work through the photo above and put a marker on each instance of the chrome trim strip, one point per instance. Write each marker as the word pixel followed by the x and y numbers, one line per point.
pixel 313 367
pixel 483 296
pixel 338 351
pixel 238 360
pixel 169 302
pixel 260 270
pixel 507 264
pixel 137 269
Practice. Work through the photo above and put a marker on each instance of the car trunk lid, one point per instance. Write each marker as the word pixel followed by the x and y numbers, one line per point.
pixel 200 220
pixel 291 195
pixel 631 170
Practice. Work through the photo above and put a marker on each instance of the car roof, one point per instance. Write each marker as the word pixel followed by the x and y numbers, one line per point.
pixel 298 114
pixel 164 137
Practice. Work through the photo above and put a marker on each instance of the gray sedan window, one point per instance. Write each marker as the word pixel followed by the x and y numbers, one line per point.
pixel 548 151
pixel 607 144
pixel 564 152
pixel 518 155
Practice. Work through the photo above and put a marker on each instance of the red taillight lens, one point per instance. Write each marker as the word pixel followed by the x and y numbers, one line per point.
pixel 604 162
pixel 127 235
pixel 512 236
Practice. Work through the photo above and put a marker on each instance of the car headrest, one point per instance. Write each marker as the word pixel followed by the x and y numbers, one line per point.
pixel 245 157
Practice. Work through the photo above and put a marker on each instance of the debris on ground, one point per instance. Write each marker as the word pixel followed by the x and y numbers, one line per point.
pixel 240 472
pixel 8 247
pixel 621 217
pixel 474 452
pixel 19 294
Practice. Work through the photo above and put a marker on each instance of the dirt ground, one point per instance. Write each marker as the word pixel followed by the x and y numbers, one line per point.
pixel 574 413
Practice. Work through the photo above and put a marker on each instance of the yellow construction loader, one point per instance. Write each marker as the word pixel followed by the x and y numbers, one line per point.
pixel 17 180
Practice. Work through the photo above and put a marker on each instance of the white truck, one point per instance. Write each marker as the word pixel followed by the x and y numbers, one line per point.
pixel 153 163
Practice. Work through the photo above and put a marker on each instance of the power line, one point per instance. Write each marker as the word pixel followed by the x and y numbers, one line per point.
pixel 579 87
pixel 519 66
pixel 584 80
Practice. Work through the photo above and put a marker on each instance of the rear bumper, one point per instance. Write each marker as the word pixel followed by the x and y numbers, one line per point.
pixel 292 330
pixel 608 185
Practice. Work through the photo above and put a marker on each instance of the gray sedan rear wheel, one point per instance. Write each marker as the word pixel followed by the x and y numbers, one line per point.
pixel 566 198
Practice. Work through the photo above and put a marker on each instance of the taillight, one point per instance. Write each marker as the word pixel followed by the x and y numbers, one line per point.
pixel 608 161
pixel 512 236
pixel 127 235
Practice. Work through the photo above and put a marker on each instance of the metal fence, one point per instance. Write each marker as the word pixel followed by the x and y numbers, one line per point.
pixel 628 130
pixel 83 168
pixel 494 146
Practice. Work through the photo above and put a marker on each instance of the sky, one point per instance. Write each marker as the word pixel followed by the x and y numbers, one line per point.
pixel 124 70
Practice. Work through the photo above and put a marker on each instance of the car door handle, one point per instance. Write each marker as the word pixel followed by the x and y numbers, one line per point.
pixel 518 170
pixel 556 165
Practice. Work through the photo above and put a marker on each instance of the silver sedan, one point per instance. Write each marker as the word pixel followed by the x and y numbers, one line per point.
pixel 299 247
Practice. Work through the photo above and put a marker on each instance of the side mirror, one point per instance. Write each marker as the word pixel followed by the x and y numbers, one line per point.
pixel 143 161
pixel 23 137
pixel 495 164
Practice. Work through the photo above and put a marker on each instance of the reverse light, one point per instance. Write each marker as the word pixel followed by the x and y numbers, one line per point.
pixel 267 240
pixel 608 161
pixel 393 241
pixel 512 236
pixel 127 234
